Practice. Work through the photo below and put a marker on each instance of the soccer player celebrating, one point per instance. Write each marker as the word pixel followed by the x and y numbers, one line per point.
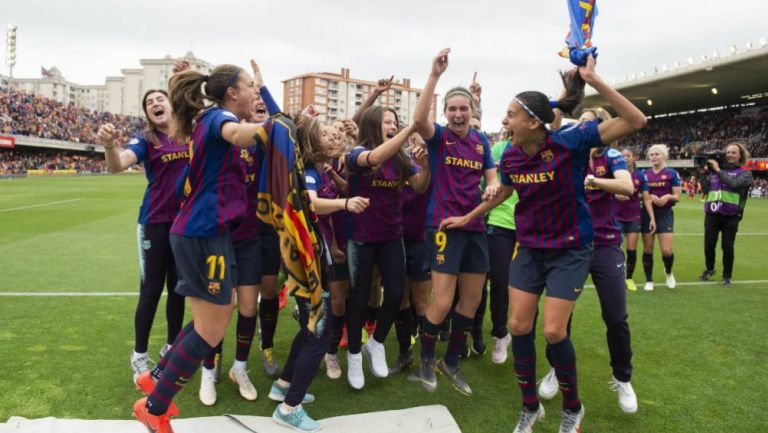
pixel 378 169
pixel 554 228
pixel 662 186
pixel 458 158
pixel 164 162
pixel 628 214
pixel 200 236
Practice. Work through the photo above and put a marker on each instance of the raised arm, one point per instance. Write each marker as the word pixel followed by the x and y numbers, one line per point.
pixel 116 161
pixel 385 151
pixel 382 86
pixel 258 80
pixel 629 118
pixel 421 113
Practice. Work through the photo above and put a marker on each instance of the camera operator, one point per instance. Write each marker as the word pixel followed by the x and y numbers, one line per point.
pixel 726 188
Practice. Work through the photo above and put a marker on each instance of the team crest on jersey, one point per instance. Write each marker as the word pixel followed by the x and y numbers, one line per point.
pixel 214 287
pixel 480 149
pixel 440 259
pixel 600 171
pixel 547 155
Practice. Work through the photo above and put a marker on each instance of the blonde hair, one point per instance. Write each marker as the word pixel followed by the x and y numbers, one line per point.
pixel 743 152
pixel 661 148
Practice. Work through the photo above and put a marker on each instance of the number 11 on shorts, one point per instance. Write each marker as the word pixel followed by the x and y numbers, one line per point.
pixel 211 261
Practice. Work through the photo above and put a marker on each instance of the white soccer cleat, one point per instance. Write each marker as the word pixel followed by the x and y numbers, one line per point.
pixel 333 369
pixel 527 419
pixel 548 386
pixel 671 282
pixel 243 382
pixel 377 359
pixel 139 364
pixel 355 375
pixel 500 346
pixel 627 396
pixel 571 421
pixel 648 286
pixel 207 392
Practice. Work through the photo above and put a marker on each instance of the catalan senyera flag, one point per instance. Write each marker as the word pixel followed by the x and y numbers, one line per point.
pixel 284 204
pixel 578 41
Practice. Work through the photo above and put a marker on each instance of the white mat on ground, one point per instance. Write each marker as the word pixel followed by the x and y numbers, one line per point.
pixel 434 418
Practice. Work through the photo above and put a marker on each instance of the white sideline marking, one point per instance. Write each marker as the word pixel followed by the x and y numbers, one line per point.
pixel 737 234
pixel 136 293
pixel 52 203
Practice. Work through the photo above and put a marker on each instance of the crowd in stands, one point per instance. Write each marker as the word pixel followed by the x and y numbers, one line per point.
pixel 687 133
pixel 15 162
pixel 26 114
pixel 759 188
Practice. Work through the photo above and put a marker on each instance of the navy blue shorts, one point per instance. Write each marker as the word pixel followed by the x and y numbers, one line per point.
pixel 562 272
pixel 629 226
pixel 248 257
pixel 665 220
pixel 458 251
pixel 270 250
pixel 206 266
pixel 417 260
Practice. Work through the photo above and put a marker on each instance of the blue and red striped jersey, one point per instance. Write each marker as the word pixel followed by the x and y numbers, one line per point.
pixel 340 219
pixel 661 183
pixel 164 163
pixel 415 214
pixel 325 187
pixel 457 166
pixel 602 203
pixel 247 227
pixel 630 210
pixel 382 220
pixel 215 193
pixel 552 211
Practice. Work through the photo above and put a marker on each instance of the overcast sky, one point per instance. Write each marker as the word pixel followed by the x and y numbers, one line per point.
pixel 510 43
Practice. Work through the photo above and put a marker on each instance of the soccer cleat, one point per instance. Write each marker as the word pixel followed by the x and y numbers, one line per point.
pixel 627 396
pixel 146 383
pixel 671 282
pixel 548 385
pixel 648 286
pixel 332 366
pixel 631 286
pixel 375 355
pixel 297 420
pixel 571 421
pixel 427 374
pixel 166 347
pixel 139 364
pixel 500 346
pixel 154 423
pixel 270 364
pixel 243 382
pixel 404 362
pixel 706 275
pixel 478 344
pixel 355 375
pixel 727 281
pixel 453 373
pixel 277 393
pixel 527 419
pixel 207 392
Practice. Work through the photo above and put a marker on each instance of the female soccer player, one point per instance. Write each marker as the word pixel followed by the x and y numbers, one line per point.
pixel 200 236
pixel 554 228
pixel 458 158
pixel 607 175
pixel 378 168
pixel 662 187
pixel 164 162
pixel 628 214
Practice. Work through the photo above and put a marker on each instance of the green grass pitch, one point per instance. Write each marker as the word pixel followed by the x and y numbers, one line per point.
pixel 700 353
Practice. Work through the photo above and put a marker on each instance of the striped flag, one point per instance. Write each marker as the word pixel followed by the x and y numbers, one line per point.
pixel 578 41
pixel 284 203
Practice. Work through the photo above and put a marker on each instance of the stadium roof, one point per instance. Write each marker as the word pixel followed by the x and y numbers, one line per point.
pixel 739 78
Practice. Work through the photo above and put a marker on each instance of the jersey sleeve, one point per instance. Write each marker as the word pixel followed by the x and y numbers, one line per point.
pixel 140 147
pixel 616 160
pixel 437 139
pixel 269 101
pixel 643 182
pixel 311 178
pixel 579 136
pixel 675 178
pixel 216 121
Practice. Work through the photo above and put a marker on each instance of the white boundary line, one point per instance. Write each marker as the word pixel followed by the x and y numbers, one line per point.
pixel 112 294
pixel 52 203
pixel 737 234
